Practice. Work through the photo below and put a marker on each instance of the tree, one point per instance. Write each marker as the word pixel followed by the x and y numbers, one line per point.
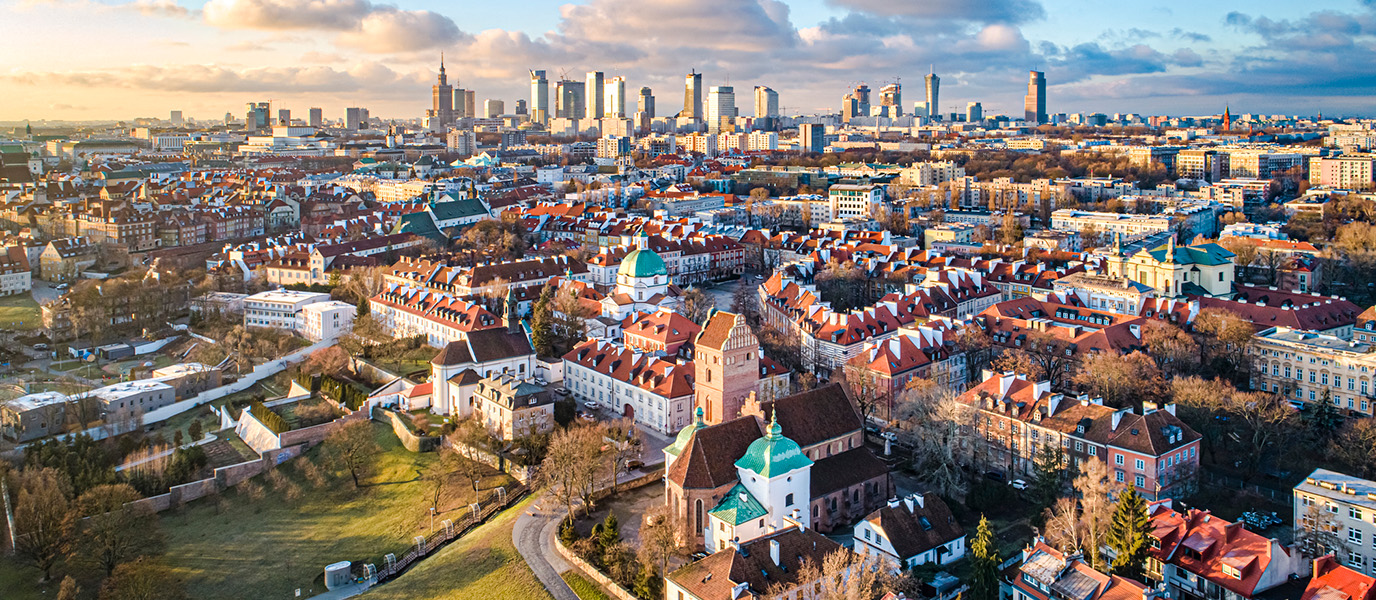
pixel 936 425
pixel 657 540
pixel 1128 533
pixel 1224 337
pixel 1174 351
pixel 978 347
pixel 867 388
pixel 1010 231
pixel 69 590
pixel 1268 422
pixel 1095 488
pixel 624 443
pixel 1355 447
pixel 1123 381
pixel 141 579
pixel 744 301
pixel 1317 533
pixel 42 527
pixel 1042 357
pixel 352 446
pixel 195 430
pixel 327 361
pixel 363 309
pixel 984 581
pixel 542 322
pixel 571 466
pixel 1245 251
pixel 1048 475
pixel 696 305
pixel 111 530
pixel 571 315
pixel 1323 420
pixel 843 575
pixel 1062 524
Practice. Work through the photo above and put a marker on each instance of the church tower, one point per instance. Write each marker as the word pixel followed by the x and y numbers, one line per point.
pixel 726 366
pixel 1227 119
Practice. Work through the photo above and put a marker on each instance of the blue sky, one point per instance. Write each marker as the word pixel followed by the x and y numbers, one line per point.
pixel 118 59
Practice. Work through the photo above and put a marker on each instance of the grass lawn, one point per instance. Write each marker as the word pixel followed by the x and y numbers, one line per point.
pixel 20 581
pixel 20 313
pixel 585 589
pixel 242 547
pixel 481 565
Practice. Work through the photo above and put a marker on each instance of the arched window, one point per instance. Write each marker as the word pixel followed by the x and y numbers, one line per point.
pixel 697 516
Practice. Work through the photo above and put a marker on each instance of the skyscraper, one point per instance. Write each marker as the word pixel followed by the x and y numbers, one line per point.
pixel 616 98
pixel 493 108
pixel 692 96
pixel 933 95
pixel 568 98
pixel 721 108
pixel 284 116
pixel 974 112
pixel 442 98
pixel 539 96
pixel 176 118
pixel 892 96
pixel 1034 104
pixel 317 118
pixel 766 102
pixel 646 104
pixel 594 96
pixel 355 118
pixel 521 107
pixel 856 103
pixel 812 137
pixel 257 116
pixel 465 104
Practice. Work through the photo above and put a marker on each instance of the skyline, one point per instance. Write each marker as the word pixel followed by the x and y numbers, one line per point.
pixel 1272 58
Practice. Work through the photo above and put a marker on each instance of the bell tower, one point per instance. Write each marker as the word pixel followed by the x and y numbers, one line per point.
pixel 726 366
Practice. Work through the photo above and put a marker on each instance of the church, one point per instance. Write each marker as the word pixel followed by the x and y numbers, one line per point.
pixel 642 284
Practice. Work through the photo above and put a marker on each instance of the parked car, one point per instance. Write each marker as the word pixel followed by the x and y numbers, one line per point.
pixel 40 347
pixel 995 476
pixel 1018 484
pixel 586 417
pixel 632 465
pixel 592 405
pixel 561 391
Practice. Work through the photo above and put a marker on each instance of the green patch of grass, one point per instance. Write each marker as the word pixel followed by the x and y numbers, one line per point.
pixel 481 565
pixel 20 581
pixel 241 547
pixel 585 589
pixel 20 313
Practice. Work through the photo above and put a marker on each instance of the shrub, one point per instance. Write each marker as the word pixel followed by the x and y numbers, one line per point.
pixel 268 418
pixel 315 413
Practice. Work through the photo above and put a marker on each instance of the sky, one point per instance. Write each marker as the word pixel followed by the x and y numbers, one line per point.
pixel 119 59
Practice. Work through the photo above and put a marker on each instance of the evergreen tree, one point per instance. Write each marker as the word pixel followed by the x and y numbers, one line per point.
pixel 1048 472
pixel 542 322
pixel 1127 535
pixel 610 533
pixel 984 584
pixel 363 309
pixel 1324 419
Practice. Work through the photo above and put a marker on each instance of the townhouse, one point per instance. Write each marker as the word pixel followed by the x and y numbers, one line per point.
pixel 1346 506
pixel 439 318
pixel 655 392
pixel 1199 556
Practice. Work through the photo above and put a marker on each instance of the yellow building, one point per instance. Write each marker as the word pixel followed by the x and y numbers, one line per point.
pixel 1174 272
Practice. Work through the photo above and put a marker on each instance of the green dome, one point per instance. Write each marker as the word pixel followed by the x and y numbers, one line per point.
pixel 686 434
pixel 642 262
pixel 773 454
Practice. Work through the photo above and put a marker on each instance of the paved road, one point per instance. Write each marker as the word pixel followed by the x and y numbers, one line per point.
pixel 534 539
pixel 43 292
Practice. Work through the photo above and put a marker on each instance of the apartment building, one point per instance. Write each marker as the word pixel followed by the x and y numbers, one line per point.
pixel 1346 504
pixel 854 201
pixel 1199 556
pixel 130 400
pixel 655 392
pixel 278 309
pixel 1350 171
pixel 16 276
pixel 513 407
pixel 1067 219
pixel 1306 366
pixel 325 320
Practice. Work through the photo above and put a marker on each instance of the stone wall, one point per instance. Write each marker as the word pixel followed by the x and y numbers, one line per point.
pixel 587 570
pixel 520 473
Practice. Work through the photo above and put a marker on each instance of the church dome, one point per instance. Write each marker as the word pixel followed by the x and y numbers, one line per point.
pixel 642 262
pixel 773 454
pixel 686 434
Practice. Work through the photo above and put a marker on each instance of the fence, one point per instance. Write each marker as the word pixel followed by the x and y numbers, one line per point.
pixel 1285 497
pixel 438 539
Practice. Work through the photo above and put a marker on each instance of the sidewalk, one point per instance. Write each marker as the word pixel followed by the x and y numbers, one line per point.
pixel 348 591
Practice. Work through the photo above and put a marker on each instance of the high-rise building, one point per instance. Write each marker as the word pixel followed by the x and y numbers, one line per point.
pixel 594 95
pixel 721 108
pixel 465 104
pixel 856 103
pixel 257 117
pixel 692 96
pixel 812 137
pixel 1034 104
pixel 569 99
pixel 284 116
pixel 355 118
pixel 766 102
pixel 493 108
pixel 442 98
pixel 539 96
pixel 646 103
pixel 933 95
pixel 616 98
pixel 974 112
pixel 521 107
pixel 176 118
pixel 891 96
pixel 317 118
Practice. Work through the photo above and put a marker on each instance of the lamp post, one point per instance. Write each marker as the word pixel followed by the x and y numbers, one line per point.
pixel 432 518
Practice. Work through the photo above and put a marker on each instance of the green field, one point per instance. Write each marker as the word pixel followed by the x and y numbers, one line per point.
pixel 269 547
pixel 481 565
pixel 585 589
pixel 20 313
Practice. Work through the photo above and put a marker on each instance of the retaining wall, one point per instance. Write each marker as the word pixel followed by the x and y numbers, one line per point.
pixel 592 573
pixel 520 473
pixel 412 442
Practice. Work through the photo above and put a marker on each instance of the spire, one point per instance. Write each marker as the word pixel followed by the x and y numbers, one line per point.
pixel 698 418
pixel 774 431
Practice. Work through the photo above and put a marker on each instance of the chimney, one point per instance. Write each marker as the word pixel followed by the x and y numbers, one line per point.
pixel 774 551
pixel 1040 388
pixel 1136 330
pixel 1053 403
pixel 920 499
pixel 1005 382
pixel 893 502
pixel 1118 417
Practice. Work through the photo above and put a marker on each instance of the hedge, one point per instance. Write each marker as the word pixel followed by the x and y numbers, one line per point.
pixel 343 393
pixel 269 419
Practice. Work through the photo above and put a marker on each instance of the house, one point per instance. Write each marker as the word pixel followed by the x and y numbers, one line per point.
pixel 1199 556
pixel 766 567
pixel 1045 573
pixel 915 530
pixel 1345 503
pixel 33 416
pixel 130 400
pixel 660 332
pixel 513 407
pixel 456 370
pixel 1332 581
pixel 16 276
pixel 65 259
pixel 278 309
pixel 654 391
pixel 325 320
pixel 1306 367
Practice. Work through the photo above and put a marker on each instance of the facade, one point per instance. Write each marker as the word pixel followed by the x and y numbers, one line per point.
pixel 721 108
pixel 1034 104
pixel 325 320
pixel 655 392
pixel 1046 572
pixel 1306 367
pixel 848 201
pixel 754 570
pixel 1107 223
pixel 1203 270
pixel 539 97
pixel 16 276
pixel 130 400
pixel 513 407
pixel 65 259
pixel 33 416
pixel 485 353
pixel 933 96
pixel 729 369
pixel 1347 172
pixel 917 529
pixel 278 309
pixel 442 100
pixel 1345 504
pixel 692 97
pixel 1199 556
pixel 595 96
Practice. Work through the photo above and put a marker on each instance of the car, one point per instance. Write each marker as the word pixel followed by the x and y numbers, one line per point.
pixel 40 347
pixel 586 417
pixel 632 465
pixel 1018 484
pixel 60 286
pixel 592 405
pixel 561 391
pixel 995 476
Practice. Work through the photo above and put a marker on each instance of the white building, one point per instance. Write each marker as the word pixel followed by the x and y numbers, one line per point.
pixel 915 530
pixel 1346 504
pixel 278 308
pixel 325 320
pixel 854 201
pixel 774 492
pixel 656 392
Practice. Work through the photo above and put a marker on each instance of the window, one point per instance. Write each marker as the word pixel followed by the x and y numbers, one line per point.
pixel 1141 464
pixel 1141 481
pixel 1354 535
pixel 1093 451
pixel 1119 476
pixel 788 500
pixel 1118 459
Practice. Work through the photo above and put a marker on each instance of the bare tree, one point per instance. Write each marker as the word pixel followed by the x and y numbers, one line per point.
pixel 845 575
pixel 1319 533
pixel 111 528
pixel 937 426
pixel 353 446
pixel 572 464
pixel 42 529
pixel 657 539
pixel 1064 528
pixel 1095 489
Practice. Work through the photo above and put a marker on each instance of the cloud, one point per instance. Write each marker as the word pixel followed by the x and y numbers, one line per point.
pixel 1186 57
pixel 358 23
pixel 1192 36
pixel 213 79
pixel 984 11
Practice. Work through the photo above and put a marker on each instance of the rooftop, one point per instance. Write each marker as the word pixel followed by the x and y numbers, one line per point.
pixel 1347 488
pixel 292 296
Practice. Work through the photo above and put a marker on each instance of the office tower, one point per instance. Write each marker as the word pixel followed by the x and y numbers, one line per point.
pixel 812 137
pixel 721 108
pixel 521 107
pixel 766 102
pixel 493 108
pixel 933 95
pixel 974 112
pixel 284 116
pixel 616 98
pixel 229 118
pixel 692 96
pixel 465 104
pixel 1034 104
pixel 317 118
pixel 539 97
pixel 355 118
pixel 891 96
pixel 646 104
pixel 569 99
pixel 257 117
pixel 176 118
pixel 856 103
pixel 443 98
pixel 595 105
